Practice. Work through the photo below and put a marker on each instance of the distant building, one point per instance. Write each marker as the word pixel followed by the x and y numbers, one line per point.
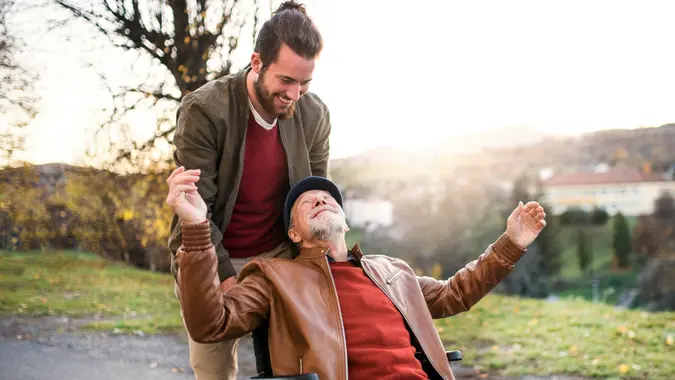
pixel 630 192
pixel 368 213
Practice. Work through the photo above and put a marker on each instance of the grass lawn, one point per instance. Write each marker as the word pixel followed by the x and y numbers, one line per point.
pixel 517 336
pixel 572 336
pixel 82 285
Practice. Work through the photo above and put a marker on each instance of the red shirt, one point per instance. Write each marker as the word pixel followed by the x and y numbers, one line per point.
pixel 257 222
pixel 378 342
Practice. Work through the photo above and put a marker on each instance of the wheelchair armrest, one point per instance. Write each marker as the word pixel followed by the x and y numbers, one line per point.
pixel 304 376
pixel 454 355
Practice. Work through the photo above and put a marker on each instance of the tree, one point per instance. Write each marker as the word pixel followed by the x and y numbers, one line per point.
pixel 549 245
pixel 622 242
pixel 548 240
pixel 533 273
pixel 655 239
pixel 584 252
pixel 574 216
pixel 523 281
pixel 664 207
pixel 654 235
pixel 598 216
pixel 16 104
pixel 187 42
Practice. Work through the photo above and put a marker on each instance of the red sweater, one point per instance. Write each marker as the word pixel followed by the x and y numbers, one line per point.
pixel 378 342
pixel 257 223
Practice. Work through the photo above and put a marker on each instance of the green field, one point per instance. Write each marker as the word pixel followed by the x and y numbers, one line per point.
pixel 506 334
pixel 83 285
pixel 572 336
pixel 611 280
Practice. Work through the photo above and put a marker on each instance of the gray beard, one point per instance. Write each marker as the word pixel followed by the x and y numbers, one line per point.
pixel 326 229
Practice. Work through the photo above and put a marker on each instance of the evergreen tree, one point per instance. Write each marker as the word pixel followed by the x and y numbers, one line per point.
pixel 584 252
pixel 622 242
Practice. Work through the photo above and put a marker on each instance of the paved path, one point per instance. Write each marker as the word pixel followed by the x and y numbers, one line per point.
pixel 53 348
pixel 36 349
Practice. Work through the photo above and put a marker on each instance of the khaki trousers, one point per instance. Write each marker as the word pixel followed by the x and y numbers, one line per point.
pixel 218 361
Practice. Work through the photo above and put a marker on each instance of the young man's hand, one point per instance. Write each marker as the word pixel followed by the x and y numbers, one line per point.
pixel 183 196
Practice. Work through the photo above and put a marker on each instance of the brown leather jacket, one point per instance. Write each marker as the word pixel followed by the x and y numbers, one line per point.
pixel 299 299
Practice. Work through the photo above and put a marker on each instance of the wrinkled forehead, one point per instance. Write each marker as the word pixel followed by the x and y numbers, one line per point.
pixel 310 195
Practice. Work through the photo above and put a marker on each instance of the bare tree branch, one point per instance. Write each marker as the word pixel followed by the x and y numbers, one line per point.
pixel 181 36
pixel 16 101
pixel 157 95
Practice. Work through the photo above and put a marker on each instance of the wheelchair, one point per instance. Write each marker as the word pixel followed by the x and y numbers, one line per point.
pixel 264 366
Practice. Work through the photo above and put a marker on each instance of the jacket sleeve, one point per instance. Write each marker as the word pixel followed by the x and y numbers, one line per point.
pixel 319 153
pixel 196 146
pixel 210 314
pixel 471 283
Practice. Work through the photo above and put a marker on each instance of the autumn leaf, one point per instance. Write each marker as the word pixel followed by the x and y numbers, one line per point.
pixel 623 368
pixel 128 215
pixel 573 350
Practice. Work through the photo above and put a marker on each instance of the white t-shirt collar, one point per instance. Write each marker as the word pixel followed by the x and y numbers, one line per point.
pixel 258 119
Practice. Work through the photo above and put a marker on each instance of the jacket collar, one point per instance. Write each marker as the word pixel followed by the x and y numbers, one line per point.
pixel 241 90
pixel 316 252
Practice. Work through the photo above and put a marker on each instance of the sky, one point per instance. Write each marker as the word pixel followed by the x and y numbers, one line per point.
pixel 411 74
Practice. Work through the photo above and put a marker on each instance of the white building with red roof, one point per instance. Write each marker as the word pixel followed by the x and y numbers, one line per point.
pixel 630 192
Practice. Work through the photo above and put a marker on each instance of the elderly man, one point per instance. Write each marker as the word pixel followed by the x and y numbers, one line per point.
pixel 333 311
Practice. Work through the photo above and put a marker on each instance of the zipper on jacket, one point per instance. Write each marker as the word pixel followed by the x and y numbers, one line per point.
pixel 399 309
pixel 393 277
pixel 300 359
pixel 342 326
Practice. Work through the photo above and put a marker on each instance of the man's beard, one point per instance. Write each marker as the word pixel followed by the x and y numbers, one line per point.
pixel 267 100
pixel 327 227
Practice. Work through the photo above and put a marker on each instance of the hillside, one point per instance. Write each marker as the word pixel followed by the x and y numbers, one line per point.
pixel 623 148
pixel 634 148
pixel 503 152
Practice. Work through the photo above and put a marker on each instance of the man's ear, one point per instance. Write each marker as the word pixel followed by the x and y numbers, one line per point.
pixel 346 228
pixel 256 63
pixel 295 238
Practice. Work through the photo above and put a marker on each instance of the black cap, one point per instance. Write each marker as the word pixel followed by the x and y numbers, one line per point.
pixel 307 184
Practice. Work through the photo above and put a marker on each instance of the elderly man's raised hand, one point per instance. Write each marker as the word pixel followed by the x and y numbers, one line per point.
pixel 525 223
pixel 183 196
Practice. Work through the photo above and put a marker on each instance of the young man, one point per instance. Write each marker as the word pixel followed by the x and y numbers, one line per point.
pixel 252 134
pixel 333 311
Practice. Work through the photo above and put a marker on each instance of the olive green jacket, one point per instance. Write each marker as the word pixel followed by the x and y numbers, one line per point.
pixel 210 134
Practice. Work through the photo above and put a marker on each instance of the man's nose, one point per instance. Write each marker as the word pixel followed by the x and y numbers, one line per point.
pixel 294 93
pixel 319 202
